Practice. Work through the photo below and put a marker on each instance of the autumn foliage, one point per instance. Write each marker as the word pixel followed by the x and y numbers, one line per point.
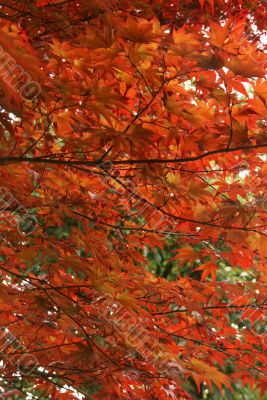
pixel 124 125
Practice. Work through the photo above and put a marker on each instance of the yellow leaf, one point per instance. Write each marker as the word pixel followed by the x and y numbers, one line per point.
pixel 185 43
pixel 260 90
pixel 258 242
pixel 140 30
pixel 142 136
pixel 129 302
pixel 218 34
pixel 209 374
pixel 249 65
pixel 173 180
pixel 209 268
pixel 64 123
pixel 186 254
pixel 228 37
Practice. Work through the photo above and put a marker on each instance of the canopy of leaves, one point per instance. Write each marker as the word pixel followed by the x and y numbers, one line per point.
pixel 124 123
